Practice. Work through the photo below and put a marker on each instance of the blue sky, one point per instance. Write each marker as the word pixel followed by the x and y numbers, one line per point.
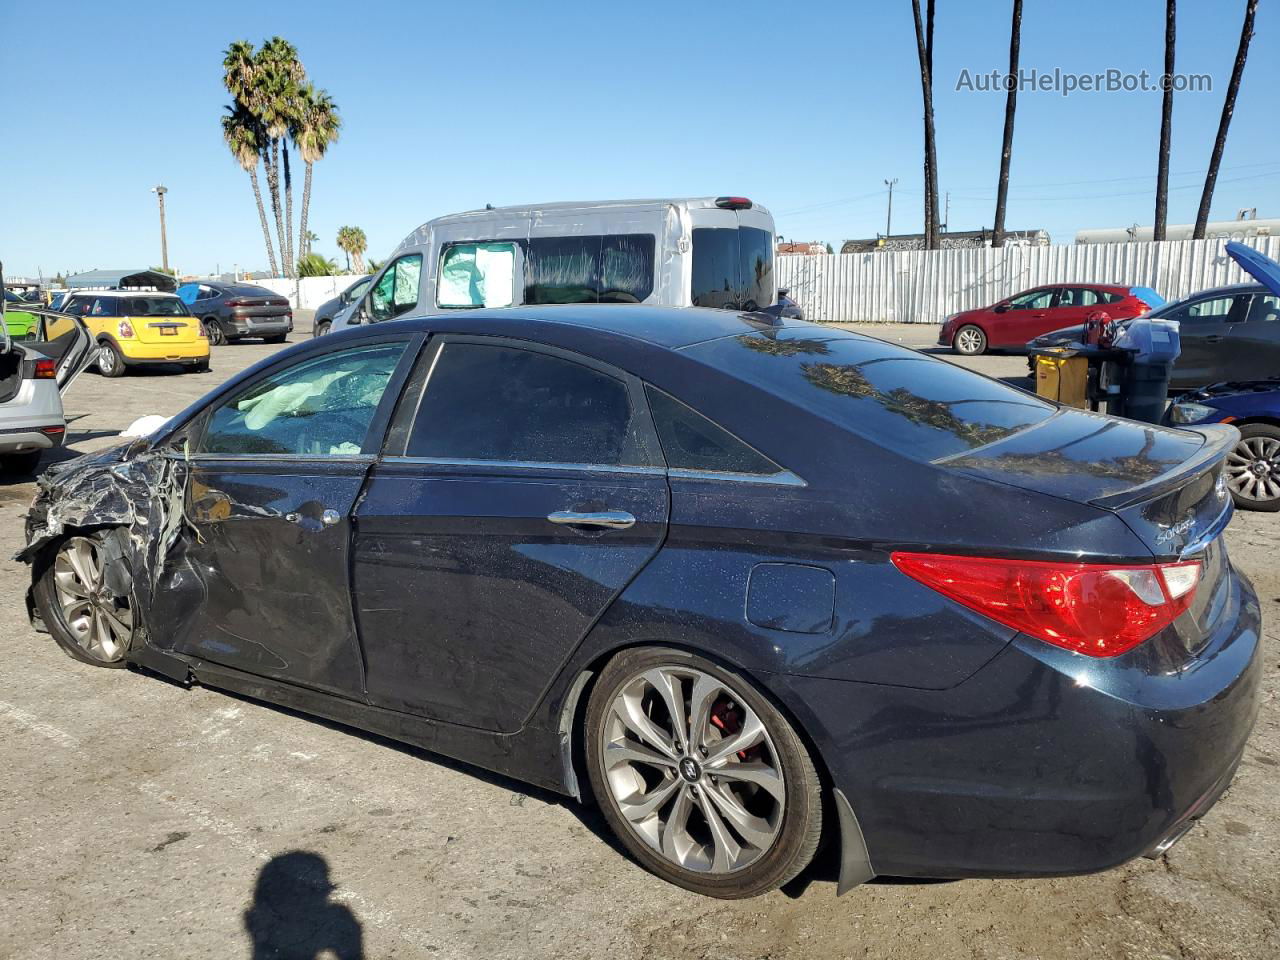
pixel 806 108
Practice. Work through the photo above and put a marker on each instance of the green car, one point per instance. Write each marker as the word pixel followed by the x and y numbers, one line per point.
pixel 20 324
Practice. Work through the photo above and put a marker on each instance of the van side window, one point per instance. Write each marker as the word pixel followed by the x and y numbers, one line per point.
pixel 477 275
pixel 613 268
pixel 396 292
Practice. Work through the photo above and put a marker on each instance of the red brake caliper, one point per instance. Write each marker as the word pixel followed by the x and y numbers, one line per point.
pixel 727 718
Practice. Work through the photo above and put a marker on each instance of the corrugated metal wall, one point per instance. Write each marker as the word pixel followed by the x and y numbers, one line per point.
pixel 925 287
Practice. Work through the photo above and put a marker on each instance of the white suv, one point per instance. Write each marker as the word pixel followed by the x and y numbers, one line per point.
pixel 33 373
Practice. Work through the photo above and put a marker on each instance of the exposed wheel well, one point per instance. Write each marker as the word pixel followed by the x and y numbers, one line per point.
pixel 1246 421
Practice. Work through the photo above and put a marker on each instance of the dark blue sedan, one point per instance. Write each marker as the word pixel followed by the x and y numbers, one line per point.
pixel 1253 407
pixel 750 583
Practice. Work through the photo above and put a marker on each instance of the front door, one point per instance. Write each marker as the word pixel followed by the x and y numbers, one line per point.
pixel 522 497
pixel 260 582
pixel 1204 326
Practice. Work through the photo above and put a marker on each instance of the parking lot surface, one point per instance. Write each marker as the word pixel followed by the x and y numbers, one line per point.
pixel 139 819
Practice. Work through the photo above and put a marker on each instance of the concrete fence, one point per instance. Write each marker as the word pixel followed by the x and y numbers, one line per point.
pixel 308 293
pixel 926 286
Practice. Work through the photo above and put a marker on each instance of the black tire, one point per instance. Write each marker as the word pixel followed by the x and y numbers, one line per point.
pixel 110 362
pixel 322 328
pixel 276 338
pixel 201 367
pixel 800 828
pixel 1253 468
pixel 20 464
pixel 51 611
pixel 213 331
pixel 969 341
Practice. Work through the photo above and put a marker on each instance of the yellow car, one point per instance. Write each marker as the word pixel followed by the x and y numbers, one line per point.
pixel 138 328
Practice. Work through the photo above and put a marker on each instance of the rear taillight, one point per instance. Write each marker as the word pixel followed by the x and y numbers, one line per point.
pixel 45 369
pixel 733 203
pixel 1095 609
pixel 233 303
pixel 125 329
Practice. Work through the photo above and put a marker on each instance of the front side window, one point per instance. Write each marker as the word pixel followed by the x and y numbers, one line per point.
pixel 396 292
pixel 1215 310
pixel 692 442
pixel 1035 300
pixel 104 307
pixel 477 275
pixel 321 407
pixel 491 402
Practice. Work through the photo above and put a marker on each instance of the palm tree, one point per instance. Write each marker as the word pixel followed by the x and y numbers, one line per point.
pixel 245 137
pixel 315 265
pixel 1228 108
pixel 925 53
pixel 279 78
pixel 306 239
pixel 351 241
pixel 1166 123
pixel 315 127
pixel 1010 108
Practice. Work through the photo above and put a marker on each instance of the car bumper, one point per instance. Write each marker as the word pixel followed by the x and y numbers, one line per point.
pixel 248 325
pixel 1044 763
pixel 138 354
pixel 26 438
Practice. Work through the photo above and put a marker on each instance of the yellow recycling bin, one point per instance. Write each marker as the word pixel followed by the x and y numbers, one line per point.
pixel 1062 375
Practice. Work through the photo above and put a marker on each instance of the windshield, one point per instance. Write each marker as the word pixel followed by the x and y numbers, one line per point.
pixel 900 399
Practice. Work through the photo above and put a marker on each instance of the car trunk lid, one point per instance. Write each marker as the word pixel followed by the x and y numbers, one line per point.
pixel 163 329
pixel 259 307
pixel 1166 485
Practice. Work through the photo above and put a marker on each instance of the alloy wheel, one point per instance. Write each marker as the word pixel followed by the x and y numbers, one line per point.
pixel 106 360
pixel 693 770
pixel 1253 469
pixel 969 340
pixel 213 332
pixel 100 622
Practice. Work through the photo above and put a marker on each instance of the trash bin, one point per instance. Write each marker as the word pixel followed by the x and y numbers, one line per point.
pixel 1062 374
pixel 1153 345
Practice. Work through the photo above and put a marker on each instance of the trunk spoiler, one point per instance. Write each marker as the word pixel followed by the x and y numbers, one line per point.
pixel 1219 439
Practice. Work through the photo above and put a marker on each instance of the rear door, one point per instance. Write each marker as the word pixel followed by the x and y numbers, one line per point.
pixel 732 262
pixel 520 491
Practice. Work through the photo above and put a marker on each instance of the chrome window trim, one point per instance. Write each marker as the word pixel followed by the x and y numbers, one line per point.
pixel 784 478
pixel 267 458
pixel 527 464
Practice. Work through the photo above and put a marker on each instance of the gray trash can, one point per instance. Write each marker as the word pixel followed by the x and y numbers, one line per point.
pixel 1153 345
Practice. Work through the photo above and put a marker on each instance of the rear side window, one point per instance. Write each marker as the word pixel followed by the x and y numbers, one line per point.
pixel 476 275
pixel 692 442
pixel 498 403
pixel 1081 297
pixel 613 268
pixel 902 400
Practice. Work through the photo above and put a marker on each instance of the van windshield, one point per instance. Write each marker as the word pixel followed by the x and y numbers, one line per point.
pixel 732 268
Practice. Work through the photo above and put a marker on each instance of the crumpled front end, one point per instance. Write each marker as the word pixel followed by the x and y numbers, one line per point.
pixel 129 488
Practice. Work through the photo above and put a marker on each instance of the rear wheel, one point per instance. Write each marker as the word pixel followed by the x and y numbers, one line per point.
pixel 700 776
pixel 213 330
pixel 1253 468
pixel 79 608
pixel 20 464
pixel 110 363
pixel 969 341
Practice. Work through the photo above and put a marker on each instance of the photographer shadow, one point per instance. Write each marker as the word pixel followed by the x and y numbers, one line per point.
pixel 293 917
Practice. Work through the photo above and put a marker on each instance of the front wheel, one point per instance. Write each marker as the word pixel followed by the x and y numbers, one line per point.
pixel 322 328
pixel 1253 468
pixel 969 341
pixel 699 775
pixel 78 603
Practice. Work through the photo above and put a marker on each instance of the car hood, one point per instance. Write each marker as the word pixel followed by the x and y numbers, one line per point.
pixel 1230 388
pixel 1158 479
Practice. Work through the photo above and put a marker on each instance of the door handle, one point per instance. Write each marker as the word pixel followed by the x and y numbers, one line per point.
pixel 293 517
pixel 609 519
pixel 328 518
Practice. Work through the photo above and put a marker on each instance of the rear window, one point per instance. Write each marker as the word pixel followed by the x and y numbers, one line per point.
pixel 902 400
pixel 732 268
pixel 152 307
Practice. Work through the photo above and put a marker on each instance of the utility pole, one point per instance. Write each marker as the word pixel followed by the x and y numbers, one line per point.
pixel 888 220
pixel 160 191
pixel 946 215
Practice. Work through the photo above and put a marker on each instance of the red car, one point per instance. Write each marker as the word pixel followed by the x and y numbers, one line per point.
pixel 1014 321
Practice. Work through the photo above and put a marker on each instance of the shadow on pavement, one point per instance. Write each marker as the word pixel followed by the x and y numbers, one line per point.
pixel 293 917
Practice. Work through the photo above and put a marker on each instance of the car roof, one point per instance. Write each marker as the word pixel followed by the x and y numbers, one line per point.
pixel 669 327
pixel 125 293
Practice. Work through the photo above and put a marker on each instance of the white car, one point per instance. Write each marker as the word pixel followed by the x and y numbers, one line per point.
pixel 33 373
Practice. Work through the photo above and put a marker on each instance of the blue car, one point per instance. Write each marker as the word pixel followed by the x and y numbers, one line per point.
pixel 1253 407
pixel 750 583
